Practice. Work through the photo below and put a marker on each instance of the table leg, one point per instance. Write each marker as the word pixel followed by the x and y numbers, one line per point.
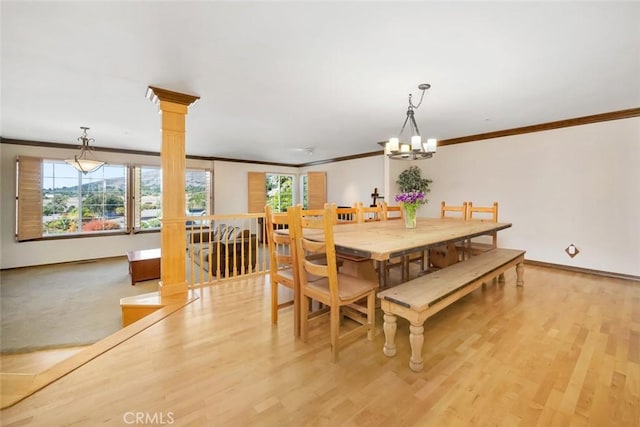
pixel 416 339
pixel 382 274
pixel 390 326
pixel 297 312
pixel 520 274
pixel 405 268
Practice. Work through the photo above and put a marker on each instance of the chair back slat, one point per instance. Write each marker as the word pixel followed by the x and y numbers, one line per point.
pixel 313 247
pixel 315 269
pixel 459 212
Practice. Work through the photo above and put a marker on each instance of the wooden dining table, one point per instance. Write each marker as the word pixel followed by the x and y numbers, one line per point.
pixel 383 240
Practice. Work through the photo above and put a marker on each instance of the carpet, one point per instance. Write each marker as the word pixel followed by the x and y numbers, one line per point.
pixel 64 305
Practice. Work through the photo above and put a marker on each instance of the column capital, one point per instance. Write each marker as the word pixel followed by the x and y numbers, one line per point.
pixel 156 94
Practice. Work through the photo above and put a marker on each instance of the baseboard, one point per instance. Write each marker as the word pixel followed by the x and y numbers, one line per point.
pixel 583 270
pixel 78 261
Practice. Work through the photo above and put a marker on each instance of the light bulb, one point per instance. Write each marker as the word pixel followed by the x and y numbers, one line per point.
pixel 432 144
pixel 416 142
pixel 393 144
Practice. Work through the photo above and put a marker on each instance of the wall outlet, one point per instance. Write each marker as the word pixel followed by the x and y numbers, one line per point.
pixel 572 250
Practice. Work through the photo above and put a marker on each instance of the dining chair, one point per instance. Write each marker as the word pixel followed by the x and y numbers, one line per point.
pixel 482 213
pixel 323 282
pixel 452 211
pixel 391 212
pixel 446 255
pixel 282 266
pixel 369 213
pixel 343 214
pixel 353 265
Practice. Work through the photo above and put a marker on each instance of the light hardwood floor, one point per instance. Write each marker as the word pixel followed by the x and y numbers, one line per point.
pixel 563 350
pixel 37 361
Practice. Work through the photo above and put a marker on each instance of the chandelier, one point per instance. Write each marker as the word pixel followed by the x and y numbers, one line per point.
pixel 416 149
pixel 81 162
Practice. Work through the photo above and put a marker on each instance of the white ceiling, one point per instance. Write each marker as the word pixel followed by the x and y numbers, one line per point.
pixel 277 77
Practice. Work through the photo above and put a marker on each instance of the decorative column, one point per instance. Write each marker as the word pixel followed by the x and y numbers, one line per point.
pixel 173 107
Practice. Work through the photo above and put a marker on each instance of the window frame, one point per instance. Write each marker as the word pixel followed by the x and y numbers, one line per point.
pixel 208 193
pixel 293 177
pixel 304 190
pixel 30 194
pixel 136 196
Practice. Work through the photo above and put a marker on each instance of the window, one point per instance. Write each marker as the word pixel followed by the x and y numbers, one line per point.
pixel 147 195
pixel 76 203
pixel 198 193
pixel 54 199
pixel 279 192
pixel 304 190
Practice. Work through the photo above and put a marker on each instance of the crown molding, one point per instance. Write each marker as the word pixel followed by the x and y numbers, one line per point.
pixel 579 121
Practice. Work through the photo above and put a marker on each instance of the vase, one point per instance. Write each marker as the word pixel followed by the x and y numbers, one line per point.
pixel 409 215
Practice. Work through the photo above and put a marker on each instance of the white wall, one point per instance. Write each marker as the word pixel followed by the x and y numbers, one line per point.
pixel 351 181
pixel 577 185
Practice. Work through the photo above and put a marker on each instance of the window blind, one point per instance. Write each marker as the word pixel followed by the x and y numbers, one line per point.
pixel 317 188
pixel 28 198
pixel 257 192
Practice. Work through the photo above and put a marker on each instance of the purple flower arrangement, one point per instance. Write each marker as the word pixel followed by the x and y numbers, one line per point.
pixel 411 198
pixel 410 202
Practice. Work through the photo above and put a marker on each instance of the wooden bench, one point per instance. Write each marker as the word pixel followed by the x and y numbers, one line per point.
pixel 424 296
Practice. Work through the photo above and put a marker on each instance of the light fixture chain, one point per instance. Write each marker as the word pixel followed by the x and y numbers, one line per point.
pixel 415 125
pixel 409 113
pixel 419 103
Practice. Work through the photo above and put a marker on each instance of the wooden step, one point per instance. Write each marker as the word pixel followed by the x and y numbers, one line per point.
pixel 136 307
